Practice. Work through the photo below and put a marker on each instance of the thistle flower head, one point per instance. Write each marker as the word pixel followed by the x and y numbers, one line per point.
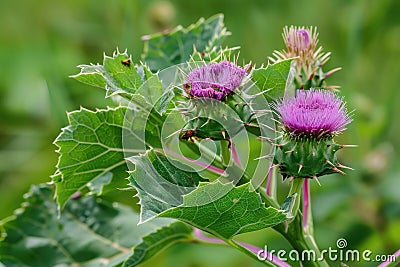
pixel 300 42
pixel 313 113
pixel 215 80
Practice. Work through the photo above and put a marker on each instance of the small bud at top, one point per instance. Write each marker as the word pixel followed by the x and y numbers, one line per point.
pixel 215 80
pixel 298 39
pixel 313 113
pixel 301 42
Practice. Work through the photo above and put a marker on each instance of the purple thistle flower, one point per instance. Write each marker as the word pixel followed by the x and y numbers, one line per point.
pixel 215 80
pixel 298 39
pixel 314 113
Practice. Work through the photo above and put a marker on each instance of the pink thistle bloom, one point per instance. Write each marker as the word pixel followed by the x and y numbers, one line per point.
pixel 299 39
pixel 313 113
pixel 215 80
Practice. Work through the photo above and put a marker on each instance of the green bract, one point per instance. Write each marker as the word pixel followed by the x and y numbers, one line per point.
pixel 306 157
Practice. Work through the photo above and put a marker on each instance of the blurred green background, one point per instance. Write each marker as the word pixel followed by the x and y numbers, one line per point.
pixel 42 41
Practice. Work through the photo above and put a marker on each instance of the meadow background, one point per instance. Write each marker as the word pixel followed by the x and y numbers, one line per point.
pixel 42 42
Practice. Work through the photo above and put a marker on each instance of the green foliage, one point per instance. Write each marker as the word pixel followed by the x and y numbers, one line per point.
pixel 225 210
pixel 158 241
pixel 89 232
pixel 160 183
pixel 92 147
pixel 89 148
pixel 163 50
pixel 273 79
pixel 118 75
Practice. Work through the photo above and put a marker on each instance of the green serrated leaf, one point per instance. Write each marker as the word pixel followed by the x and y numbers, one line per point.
pixel 158 241
pixel 160 183
pixel 95 145
pixel 164 50
pixel 153 91
pixel 225 210
pixel 273 79
pixel 118 75
pixel 89 232
pixel 91 75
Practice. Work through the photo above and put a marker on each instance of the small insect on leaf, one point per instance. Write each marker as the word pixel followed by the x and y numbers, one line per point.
pixel 126 62
pixel 187 134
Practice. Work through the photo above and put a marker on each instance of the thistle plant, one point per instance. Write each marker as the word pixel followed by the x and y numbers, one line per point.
pixel 185 126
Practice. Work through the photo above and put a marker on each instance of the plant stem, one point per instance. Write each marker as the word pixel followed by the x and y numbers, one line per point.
pixel 295 188
pixel 308 226
pixel 271 182
pixel 207 153
pixel 302 242
pixel 248 252
pixel 393 261
pixel 243 247
pixel 225 152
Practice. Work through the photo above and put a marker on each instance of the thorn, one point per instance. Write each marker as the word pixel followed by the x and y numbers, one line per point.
pixel 291 178
pixel 300 167
pixel 274 166
pixel 238 120
pixel 268 139
pixel 312 152
pixel 316 179
pixel 321 134
pixel 251 125
pixel 265 157
pixel 278 145
pixel 330 163
pixel 208 121
pixel 178 131
pixel 344 167
pixel 312 75
pixel 337 170
pixel 290 151
pixel 329 73
pixel 347 146
pixel 223 134
pixel 268 127
pixel 262 111
pixel 333 87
